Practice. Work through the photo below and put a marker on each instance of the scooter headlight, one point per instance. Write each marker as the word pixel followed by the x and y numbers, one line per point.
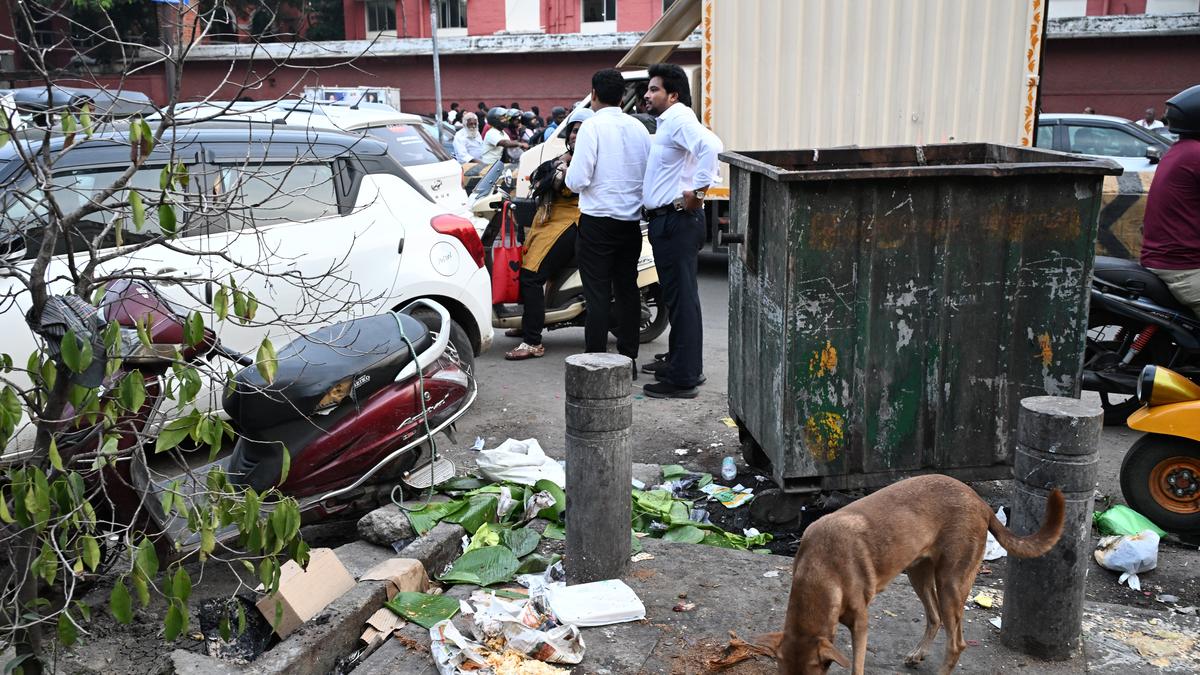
pixel 1145 384
pixel 1161 386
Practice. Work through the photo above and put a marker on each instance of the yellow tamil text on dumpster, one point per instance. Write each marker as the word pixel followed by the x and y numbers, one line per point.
pixel 1046 351
pixel 823 362
pixel 823 435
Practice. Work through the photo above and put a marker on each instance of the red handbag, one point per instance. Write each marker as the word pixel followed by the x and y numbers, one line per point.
pixel 506 260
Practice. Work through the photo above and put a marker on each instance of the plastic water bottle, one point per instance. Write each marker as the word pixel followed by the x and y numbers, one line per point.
pixel 728 469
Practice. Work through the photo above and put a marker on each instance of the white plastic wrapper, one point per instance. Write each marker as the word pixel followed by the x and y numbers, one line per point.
pixel 521 462
pixel 1130 555
pixel 994 551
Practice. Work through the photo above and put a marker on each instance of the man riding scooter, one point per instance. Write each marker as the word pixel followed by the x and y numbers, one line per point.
pixel 549 243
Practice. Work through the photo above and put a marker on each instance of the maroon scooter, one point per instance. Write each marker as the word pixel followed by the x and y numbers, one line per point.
pixel 354 404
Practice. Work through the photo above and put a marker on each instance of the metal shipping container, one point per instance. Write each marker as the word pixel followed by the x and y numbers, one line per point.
pixel 890 307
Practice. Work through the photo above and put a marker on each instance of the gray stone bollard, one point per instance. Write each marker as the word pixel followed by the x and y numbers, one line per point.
pixel 1057 441
pixel 599 466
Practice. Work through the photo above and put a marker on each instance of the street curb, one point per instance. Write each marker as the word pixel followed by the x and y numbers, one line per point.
pixel 323 640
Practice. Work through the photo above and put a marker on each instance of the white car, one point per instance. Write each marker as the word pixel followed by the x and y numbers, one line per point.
pixel 1116 138
pixel 321 227
pixel 406 135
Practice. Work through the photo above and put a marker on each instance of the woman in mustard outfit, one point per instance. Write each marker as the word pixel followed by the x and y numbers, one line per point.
pixel 549 243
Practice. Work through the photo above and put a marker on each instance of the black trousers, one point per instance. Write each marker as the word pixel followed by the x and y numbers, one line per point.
pixel 677 238
pixel 533 285
pixel 607 254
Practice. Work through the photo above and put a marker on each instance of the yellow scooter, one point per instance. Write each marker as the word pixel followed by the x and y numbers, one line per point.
pixel 1160 476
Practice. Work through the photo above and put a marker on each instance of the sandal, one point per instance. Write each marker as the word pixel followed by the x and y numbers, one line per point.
pixel 525 351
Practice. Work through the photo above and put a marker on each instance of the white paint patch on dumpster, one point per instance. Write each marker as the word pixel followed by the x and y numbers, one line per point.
pixel 904 335
pixel 907 202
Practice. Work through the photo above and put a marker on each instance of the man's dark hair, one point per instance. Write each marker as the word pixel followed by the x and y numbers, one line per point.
pixel 482 106
pixel 609 86
pixel 516 105
pixel 674 81
pixel 454 106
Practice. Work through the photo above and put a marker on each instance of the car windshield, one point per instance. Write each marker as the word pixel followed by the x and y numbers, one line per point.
pixel 409 144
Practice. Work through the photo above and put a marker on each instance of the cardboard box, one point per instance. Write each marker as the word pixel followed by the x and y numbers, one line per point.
pixel 402 574
pixel 304 593
pixel 379 628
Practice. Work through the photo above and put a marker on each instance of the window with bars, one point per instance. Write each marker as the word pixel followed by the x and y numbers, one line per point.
pixel 452 14
pixel 381 16
pixel 599 10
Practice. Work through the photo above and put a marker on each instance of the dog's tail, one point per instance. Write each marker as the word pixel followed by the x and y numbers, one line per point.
pixel 1039 542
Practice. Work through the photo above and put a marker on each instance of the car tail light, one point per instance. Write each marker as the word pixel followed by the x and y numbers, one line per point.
pixel 462 230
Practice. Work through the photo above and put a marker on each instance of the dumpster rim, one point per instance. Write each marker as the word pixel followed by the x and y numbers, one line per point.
pixel 1067 164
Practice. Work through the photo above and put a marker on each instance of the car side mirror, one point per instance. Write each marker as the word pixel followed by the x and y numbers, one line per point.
pixel 1153 153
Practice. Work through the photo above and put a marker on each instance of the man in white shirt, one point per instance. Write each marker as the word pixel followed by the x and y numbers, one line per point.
pixel 495 140
pixel 468 144
pixel 606 171
pixel 682 164
pixel 1149 121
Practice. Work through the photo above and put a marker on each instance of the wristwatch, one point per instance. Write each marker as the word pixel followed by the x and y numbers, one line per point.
pixel 699 194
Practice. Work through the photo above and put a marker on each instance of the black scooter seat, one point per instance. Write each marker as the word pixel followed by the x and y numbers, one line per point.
pixel 1138 280
pixel 365 353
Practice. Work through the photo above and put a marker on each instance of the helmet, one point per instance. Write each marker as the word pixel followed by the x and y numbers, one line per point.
pixel 514 114
pixel 578 115
pixel 497 116
pixel 1183 112
pixel 527 118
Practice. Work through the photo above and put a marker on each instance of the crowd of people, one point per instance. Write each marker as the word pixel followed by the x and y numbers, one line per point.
pixel 516 130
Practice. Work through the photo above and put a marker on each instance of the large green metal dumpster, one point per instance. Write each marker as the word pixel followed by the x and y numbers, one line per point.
pixel 890 307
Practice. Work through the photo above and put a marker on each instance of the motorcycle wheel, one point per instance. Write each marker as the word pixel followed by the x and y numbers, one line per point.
pixel 1104 350
pixel 654 315
pixel 458 337
pixel 1160 479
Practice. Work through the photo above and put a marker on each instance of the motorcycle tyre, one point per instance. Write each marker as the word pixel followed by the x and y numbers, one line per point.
pixel 1140 460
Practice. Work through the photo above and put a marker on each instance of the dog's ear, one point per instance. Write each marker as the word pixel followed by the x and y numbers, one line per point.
pixel 770 642
pixel 826 653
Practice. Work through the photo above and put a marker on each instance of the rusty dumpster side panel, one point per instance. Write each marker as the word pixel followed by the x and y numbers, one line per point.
pixel 887 321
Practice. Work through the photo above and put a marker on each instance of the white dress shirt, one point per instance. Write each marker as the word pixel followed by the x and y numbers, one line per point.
pixel 608 165
pixel 683 157
pixel 492 150
pixel 468 145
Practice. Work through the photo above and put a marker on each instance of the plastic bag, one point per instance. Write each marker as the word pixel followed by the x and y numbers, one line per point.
pixel 521 462
pixel 1129 554
pixel 994 550
pixel 1121 519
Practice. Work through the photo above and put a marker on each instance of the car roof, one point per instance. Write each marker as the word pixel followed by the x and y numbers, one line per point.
pixel 1082 117
pixel 246 140
pixel 120 102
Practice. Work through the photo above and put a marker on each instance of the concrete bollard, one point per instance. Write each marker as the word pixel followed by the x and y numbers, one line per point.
pixel 599 466
pixel 1057 441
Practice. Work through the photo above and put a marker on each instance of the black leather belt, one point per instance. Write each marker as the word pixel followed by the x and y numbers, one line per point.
pixel 650 214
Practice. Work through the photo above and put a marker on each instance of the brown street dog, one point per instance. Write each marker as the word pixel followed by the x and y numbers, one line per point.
pixel 932 527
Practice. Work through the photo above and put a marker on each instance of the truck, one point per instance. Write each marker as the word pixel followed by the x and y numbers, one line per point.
pixel 792 74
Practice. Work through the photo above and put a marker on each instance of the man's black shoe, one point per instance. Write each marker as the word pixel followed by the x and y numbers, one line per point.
pixel 661 376
pixel 634 369
pixel 654 367
pixel 662 357
pixel 668 390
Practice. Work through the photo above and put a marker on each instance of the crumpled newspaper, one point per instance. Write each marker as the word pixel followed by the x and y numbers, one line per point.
pixel 507 637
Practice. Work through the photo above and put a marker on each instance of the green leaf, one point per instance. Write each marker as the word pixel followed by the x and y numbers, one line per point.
pixel 182 179
pixel 266 361
pixel 223 627
pixel 76 353
pixel 146 559
pixel 55 458
pixel 522 541
pixel 423 609
pixel 635 544
pixel 132 391
pixel 166 218
pixel 119 603
pixel 181 585
pixel 285 464
pixel 175 622
pixel 193 329
pixel 555 531
pixel 91 551
pixel 484 536
pixel 85 119
pixel 164 178
pixel 173 433
pixel 138 208
pixel 221 303
pixel 67 633
pixel 480 509
pixel 208 540
pixel 687 534
pixel 483 567
pixel 670 471
pixel 4 514
pixel 241 616
pixel 537 563
pixel 423 519
pixel 239 303
pixel 461 484
pixel 554 512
